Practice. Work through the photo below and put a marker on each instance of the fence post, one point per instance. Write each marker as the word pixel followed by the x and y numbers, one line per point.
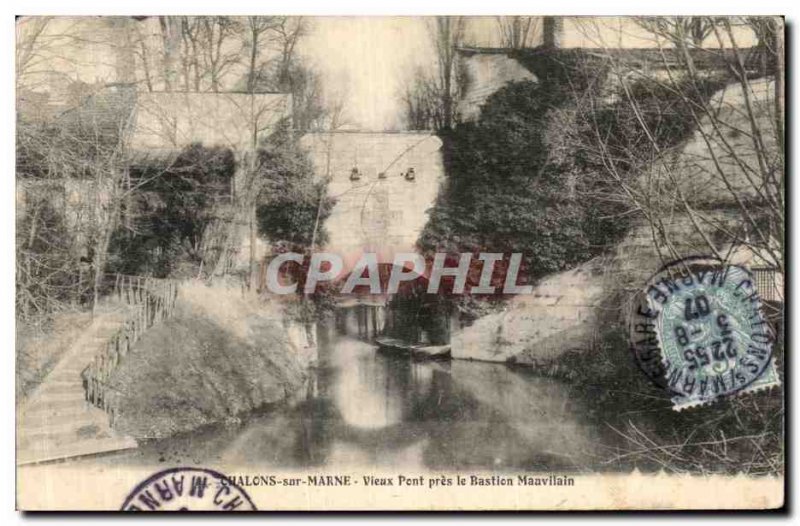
pixel 153 300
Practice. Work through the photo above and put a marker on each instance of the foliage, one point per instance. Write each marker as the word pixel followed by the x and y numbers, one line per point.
pixel 503 194
pixel 291 210
pixel 663 112
pixel 170 213
pixel 292 206
pixel 521 179
pixel 737 434
pixel 49 273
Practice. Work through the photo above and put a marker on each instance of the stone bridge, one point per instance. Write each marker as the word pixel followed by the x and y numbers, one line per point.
pixel 384 184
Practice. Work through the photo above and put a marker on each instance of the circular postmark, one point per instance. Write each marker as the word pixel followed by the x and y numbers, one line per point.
pixel 188 489
pixel 698 329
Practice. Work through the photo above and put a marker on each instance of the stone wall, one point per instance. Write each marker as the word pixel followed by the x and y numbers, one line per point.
pixel 382 211
pixel 170 121
pixel 574 309
pixel 560 314
pixel 485 74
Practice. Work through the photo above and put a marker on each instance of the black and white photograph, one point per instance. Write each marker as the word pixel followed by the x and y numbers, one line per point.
pixel 413 263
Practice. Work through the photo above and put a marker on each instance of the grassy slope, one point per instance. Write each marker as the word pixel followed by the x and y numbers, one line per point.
pixel 220 355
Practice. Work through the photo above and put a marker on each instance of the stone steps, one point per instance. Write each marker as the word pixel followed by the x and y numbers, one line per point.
pixel 77 449
pixel 42 420
pixel 54 438
pixel 65 376
pixel 57 423
pixel 63 426
pixel 57 396
pixel 41 414
pixel 64 389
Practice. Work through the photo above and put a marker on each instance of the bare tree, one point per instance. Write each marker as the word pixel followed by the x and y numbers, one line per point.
pixel 690 30
pixel 217 35
pixel 199 51
pixel 770 46
pixel 84 148
pixel 30 41
pixel 142 51
pixel 41 41
pixel 420 103
pixel 286 34
pixel 171 41
pixel 256 31
pixel 429 99
pixel 191 54
pixel 516 32
pixel 447 33
pixel 729 184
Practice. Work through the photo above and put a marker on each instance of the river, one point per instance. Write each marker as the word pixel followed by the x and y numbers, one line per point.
pixel 364 408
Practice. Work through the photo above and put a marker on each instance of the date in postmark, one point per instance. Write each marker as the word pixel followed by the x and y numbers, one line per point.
pixel 188 489
pixel 699 330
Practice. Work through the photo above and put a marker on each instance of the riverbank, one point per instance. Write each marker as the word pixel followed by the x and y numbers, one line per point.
pixel 737 434
pixel 366 409
pixel 221 355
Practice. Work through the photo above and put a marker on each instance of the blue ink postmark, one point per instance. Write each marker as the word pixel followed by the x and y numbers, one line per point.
pixel 699 330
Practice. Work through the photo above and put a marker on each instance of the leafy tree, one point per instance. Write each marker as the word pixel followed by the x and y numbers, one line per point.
pixel 525 177
pixel 503 192
pixel 292 205
pixel 170 215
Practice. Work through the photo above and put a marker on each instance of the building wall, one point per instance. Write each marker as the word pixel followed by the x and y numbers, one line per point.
pixel 174 120
pixel 373 214
pixel 487 73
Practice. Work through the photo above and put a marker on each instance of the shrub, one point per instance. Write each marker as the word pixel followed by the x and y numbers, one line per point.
pixel 164 224
pixel 291 204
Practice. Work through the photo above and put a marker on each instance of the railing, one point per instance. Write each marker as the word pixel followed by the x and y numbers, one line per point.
pixel 153 300
pixel 766 279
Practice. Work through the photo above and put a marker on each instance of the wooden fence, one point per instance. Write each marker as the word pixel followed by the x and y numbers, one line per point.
pixel 153 300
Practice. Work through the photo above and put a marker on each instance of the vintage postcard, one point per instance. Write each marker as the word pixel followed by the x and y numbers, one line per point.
pixel 400 263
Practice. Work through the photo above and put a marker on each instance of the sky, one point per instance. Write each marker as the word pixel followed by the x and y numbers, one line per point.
pixel 368 60
pixel 365 62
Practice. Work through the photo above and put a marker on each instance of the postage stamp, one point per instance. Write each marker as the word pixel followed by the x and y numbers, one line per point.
pixel 188 489
pixel 699 330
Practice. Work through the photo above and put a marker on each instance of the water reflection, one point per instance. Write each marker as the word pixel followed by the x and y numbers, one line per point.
pixel 364 408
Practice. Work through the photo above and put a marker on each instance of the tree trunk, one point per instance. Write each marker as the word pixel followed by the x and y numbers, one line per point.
pixel 251 79
pixel 779 84
pixel 171 38
pixel 253 238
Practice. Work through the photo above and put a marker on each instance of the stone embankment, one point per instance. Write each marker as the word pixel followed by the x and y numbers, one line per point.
pixel 221 355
